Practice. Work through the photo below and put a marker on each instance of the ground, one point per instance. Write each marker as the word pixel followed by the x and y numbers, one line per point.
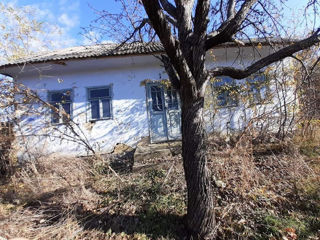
pixel 263 191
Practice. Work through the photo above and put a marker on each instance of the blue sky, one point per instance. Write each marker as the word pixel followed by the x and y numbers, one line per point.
pixel 71 15
pixel 68 15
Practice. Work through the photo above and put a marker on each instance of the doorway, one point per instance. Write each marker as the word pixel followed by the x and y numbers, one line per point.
pixel 164 113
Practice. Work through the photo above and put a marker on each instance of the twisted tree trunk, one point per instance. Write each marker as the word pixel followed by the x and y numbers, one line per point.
pixel 200 201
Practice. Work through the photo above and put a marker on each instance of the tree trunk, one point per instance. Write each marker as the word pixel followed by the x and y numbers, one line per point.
pixel 200 202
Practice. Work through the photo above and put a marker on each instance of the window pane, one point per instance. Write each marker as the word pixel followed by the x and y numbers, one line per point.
pixel 225 88
pixel 221 100
pixel 67 108
pixel 172 99
pixel 232 100
pixel 157 104
pixel 222 81
pixel 64 96
pixel 99 93
pixel 56 97
pixel 106 108
pixel 95 111
pixel 55 114
pixel 258 88
pixel 257 78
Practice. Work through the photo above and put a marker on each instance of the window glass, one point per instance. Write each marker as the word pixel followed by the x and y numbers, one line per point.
pixel 95 110
pixel 60 96
pixel 67 110
pixel 156 96
pixel 106 108
pixel 100 102
pixel 99 93
pixel 222 81
pixel 55 113
pixel 61 101
pixel 172 99
pixel 225 90
pixel 258 89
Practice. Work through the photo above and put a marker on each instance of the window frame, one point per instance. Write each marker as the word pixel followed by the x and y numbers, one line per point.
pixel 110 98
pixel 174 101
pixel 251 82
pixel 216 94
pixel 52 103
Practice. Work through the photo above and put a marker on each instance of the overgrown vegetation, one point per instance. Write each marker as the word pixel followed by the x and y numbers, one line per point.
pixel 263 192
pixel 266 184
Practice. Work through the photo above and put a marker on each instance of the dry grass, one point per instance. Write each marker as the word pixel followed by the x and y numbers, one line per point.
pixel 74 198
pixel 263 182
pixel 262 193
pixel 42 196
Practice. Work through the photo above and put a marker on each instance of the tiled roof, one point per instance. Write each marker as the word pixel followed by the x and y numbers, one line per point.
pixel 113 49
pixel 100 50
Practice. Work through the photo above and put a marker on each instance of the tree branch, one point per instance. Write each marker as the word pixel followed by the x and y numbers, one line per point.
pixel 169 8
pixel 199 37
pixel 169 42
pixel 170 71
pixel 184 22
pixel 231 9
pixel 229 28
pixel 201 17
pixel 274 57
pixel 141 25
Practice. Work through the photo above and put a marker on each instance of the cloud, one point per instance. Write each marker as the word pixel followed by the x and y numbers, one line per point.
pixel 69 21
pixel 58 26
pixel 91 37
pixel 60 23
pixel 68 6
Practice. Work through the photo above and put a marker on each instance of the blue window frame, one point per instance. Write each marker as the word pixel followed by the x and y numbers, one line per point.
pixel 172 99
pixel 225 90
pixel 61 102
pixel 157 99
pixel 258 89
pixel 100 102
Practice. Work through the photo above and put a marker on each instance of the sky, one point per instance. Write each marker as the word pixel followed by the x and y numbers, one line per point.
pixel 68 15
pixel 71 15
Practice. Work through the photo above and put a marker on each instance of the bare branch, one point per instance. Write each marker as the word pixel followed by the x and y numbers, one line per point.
pixel 170 71
pixel 201 17
pixel 159 23
pixel 277 56
pixel 229 28
pixel 169 8
pixel 184 20
pixel 305 68
pixel 171 20
pixel 169 42
pixel 231 9
pixel 141 25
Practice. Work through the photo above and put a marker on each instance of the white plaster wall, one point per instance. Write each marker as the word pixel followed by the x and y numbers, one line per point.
pixel 129 123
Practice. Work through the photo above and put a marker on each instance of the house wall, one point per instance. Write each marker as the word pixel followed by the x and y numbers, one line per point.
pixel 129 112
pixel 129 122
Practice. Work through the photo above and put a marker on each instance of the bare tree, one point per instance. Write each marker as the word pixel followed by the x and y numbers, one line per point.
pixel 188 29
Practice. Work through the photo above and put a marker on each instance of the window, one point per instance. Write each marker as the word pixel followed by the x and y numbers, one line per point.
pixel 100 102
pixel 226 91
pixel 172 98
pixel 156 95
pixel 258 89
pixel 61 101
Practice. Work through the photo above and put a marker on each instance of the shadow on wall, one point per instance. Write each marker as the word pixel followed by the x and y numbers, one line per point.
pixel 128 125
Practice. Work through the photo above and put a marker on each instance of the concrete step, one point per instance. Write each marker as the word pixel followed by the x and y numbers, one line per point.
pixel 145 151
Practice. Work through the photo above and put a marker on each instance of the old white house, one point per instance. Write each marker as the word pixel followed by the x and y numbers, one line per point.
pixel 118 94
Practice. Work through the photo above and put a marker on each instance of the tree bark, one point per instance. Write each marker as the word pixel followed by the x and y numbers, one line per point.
pixel 200 202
